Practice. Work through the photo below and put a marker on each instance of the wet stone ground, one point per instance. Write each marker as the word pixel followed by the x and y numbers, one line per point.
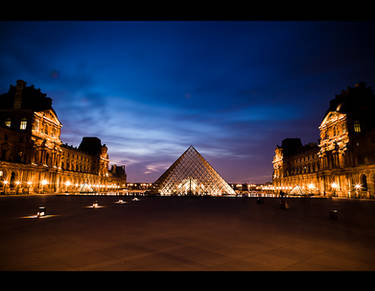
pixel 185 234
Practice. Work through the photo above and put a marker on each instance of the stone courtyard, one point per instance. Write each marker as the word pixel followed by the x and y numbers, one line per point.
pixel 185 234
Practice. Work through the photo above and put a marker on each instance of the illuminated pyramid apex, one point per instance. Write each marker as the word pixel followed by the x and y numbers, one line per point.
pixel 191 174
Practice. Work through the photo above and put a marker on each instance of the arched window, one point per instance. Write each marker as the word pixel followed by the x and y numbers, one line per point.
pixel 364 182
pixel 12 179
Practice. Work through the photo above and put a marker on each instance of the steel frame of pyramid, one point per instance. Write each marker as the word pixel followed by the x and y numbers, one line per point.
pixel 191 174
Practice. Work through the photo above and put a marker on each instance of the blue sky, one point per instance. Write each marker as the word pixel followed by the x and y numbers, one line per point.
pixel 149 89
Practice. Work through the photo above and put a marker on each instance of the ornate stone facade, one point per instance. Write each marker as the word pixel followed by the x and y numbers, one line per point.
pixel 343 162
pixel 33 158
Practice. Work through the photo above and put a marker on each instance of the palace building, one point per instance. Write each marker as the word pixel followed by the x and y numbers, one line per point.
pixel 342 163
pixel 33 158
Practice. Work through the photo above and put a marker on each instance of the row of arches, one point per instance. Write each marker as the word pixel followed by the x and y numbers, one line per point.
pixel 352 185
pixel 29 181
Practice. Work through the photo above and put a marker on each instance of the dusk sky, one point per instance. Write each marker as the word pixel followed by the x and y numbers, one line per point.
pixel 150 89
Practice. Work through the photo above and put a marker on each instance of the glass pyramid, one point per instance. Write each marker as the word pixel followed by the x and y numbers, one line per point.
pixel 191 174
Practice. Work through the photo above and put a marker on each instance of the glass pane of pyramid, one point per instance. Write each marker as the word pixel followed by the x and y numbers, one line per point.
pixel 191 174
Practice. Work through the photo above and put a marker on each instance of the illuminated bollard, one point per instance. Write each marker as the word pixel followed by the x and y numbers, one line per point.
pixel 95 204
pixel 41 211
pixel 334 214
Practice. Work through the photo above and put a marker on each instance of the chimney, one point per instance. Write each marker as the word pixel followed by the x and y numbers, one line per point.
pixel 18 96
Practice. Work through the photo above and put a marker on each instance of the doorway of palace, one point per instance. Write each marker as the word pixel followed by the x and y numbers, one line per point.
pixel 364 183
pixel 12 180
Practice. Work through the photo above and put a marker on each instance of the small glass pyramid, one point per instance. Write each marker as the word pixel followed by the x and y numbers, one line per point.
pixel 191 174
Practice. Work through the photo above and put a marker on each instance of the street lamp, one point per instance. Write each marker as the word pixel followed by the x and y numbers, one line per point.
pixel 357 188
pixel 67 184
pixel 5 182
pixel 43 182
pixel 311 187
pixel 17 188
pixel 334 186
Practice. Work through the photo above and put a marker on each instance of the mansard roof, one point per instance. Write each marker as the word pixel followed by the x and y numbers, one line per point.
pixel 91 145
pixel 353 101
pixel 32 98
pixel 294 146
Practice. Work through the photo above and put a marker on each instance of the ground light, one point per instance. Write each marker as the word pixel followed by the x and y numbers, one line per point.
pixel 95 204
pixel 120 201
pixel 333 214
pixel 135 199
pixel 41 213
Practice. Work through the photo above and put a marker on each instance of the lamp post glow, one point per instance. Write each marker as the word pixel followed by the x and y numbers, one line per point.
pixel 28 186
pixel 43 183
pixel 334 186
pixel 357 188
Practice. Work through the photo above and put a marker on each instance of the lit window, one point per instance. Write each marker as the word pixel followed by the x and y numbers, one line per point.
pixel 23 124
pixel 357 127
pixel 8 122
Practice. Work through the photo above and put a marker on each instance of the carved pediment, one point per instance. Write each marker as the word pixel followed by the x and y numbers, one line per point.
pixel 331 118
pixel 49 115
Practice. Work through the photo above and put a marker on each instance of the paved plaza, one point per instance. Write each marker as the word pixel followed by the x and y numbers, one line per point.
pixel 185 234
